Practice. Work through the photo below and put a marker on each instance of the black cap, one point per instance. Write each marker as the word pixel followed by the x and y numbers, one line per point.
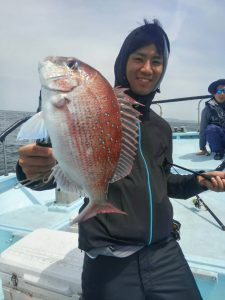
pixel 213 86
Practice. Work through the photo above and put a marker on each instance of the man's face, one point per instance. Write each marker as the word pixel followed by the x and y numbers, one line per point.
pixel 144 69
pixel 220 95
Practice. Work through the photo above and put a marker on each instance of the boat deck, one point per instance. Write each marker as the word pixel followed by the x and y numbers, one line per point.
pixel 202 238
pixel 23 210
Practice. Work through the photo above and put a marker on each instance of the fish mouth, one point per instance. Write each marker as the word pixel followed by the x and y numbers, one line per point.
pixel 50 83
pixel 56 89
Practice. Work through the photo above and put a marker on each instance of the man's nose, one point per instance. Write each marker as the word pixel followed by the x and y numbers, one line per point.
pixel 147 67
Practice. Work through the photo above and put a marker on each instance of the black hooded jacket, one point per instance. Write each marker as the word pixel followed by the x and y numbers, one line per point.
pixel 143 194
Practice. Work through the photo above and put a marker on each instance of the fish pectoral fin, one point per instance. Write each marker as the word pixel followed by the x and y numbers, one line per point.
pixel 93 209
pixel 64 183
pixel 34 128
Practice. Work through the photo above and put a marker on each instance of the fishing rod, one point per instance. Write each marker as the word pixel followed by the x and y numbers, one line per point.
pixel 12 127
pixel 221 167
pixel 198 200
pixel 208 177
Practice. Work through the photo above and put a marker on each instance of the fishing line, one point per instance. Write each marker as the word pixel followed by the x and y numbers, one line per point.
pixel 41 180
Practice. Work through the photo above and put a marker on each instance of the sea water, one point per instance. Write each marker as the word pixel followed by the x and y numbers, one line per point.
pixel 7 118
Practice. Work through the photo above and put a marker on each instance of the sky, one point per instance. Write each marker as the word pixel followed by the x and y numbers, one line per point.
pixel 94 30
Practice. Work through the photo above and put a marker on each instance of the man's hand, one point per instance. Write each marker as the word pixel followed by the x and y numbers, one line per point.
pixel 217 182
pixel 35 160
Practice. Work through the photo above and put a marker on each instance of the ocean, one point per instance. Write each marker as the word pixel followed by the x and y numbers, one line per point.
pixel 7 118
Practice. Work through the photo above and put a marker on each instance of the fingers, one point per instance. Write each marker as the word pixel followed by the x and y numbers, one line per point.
pixel 35 167
pixel 36 160
pixel 34 150
pixel 218 184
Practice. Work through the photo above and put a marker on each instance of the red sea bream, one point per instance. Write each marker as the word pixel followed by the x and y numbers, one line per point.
pixel 93 130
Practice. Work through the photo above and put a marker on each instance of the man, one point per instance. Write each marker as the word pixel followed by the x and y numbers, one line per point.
pixel 212 127
pixel 134 256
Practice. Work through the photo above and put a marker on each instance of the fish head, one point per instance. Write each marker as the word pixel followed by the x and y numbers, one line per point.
pixel 64 74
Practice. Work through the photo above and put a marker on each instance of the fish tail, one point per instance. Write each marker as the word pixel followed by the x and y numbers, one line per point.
pixel 93 209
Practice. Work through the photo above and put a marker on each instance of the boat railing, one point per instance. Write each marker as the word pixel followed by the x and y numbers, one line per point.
pixel 3 136
pixel 159 103
pixel 200 98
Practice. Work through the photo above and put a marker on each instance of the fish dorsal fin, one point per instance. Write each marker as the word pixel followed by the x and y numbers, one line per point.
pixel 129 120
pixel 64 183
pixel 33 129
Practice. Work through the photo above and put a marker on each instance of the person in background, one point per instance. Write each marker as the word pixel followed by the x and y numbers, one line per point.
pixel 212 127
pixel 135 256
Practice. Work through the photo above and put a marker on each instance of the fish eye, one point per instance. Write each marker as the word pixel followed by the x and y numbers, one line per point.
pixel 73 64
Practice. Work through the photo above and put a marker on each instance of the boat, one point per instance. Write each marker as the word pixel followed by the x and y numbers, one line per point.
pixel 34 226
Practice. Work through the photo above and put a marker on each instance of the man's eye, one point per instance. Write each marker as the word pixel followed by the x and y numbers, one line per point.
pixel 157 62
pixel 138 59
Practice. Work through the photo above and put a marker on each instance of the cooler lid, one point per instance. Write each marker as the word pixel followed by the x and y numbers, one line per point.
pixel 47 259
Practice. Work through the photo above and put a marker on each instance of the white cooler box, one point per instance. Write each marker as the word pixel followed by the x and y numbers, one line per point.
pixel 44 265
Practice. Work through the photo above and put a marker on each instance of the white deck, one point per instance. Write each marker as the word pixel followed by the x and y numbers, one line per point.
pixel 23 210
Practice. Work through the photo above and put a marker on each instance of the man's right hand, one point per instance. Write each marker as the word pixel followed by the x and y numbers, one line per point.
pixel 35 160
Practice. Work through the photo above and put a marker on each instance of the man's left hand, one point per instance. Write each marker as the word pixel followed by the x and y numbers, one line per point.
pixel 217 182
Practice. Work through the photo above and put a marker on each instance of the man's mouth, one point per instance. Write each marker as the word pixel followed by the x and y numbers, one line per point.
pixel 144 80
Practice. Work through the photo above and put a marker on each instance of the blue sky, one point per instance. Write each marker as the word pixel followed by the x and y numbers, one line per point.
pixel 93 31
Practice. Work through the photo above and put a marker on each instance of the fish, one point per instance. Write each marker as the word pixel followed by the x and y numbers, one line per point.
pixel 93 129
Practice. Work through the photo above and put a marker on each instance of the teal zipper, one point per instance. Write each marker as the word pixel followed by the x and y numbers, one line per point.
pixel 148 184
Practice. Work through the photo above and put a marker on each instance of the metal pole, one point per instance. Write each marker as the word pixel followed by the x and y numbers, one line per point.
pixel 160 109
pixel 199 118
pixel 4 156
pixel 182 99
